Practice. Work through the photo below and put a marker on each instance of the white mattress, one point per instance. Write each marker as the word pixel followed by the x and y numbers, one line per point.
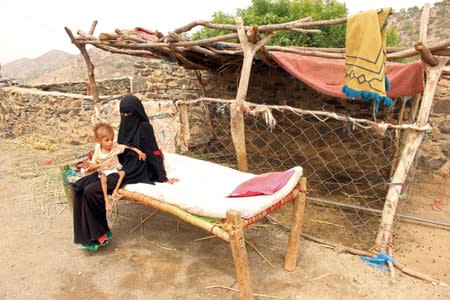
pixel 203 186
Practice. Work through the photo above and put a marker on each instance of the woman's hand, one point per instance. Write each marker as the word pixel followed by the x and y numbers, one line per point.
pixel 142 155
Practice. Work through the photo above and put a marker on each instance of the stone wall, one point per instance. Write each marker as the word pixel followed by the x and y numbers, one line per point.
pixel 435 150
pixel 164 80
pixel 69 117
pixel 60 115
pixel 115 86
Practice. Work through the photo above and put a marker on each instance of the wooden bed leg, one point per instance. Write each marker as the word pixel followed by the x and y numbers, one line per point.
pixel 290 262
pixel 239 252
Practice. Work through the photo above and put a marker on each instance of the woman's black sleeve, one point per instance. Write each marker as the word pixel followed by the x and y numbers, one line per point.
pixel 155 161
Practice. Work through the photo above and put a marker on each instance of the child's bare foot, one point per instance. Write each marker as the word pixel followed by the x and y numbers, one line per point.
pixel 172 180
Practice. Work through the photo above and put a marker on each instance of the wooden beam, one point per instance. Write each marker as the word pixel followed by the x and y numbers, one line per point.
pixel 396 151
pixel 425 54
pixel 413 139
pixel 421 44
pixel 262 28
pixel 423 30
pixel 93 25
pixel 198 49
pixel 306 30
pixel 92 84
pixel 184 128
pixel 290 262
pixel 414 108
pixel 442 52
pixel 239 252
pixel 412 51
pixel 236 110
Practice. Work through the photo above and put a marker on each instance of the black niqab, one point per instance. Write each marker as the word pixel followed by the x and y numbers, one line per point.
pixel 129 124
pixel 135 130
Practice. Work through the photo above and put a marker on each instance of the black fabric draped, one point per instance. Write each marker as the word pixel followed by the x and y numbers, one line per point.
pixel 135 130
pixel 89 214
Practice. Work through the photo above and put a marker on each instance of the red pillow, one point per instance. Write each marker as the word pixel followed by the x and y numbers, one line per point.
pixel 264 184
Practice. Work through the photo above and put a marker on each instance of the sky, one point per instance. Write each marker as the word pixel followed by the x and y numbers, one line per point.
pixel 30 28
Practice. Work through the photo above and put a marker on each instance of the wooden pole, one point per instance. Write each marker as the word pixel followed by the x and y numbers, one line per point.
pixel 414 107
pixel 413 140
pixel 236 110
pixel 239 252
pixel 290 262
pixel 92 85
pixel 398 137
pixel 184 130
pixel 421 44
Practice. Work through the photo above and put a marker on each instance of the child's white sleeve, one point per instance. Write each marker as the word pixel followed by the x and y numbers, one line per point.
pixel 120 148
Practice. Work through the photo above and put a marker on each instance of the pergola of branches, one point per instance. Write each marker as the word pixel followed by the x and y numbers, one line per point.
pixel 218 52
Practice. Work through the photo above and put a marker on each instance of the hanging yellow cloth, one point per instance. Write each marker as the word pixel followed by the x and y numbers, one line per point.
pixel 365 57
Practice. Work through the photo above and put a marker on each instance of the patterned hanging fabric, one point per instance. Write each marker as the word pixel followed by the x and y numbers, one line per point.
pixel 365 57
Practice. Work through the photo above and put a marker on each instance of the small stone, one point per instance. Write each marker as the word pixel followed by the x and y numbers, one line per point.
pixel 27 175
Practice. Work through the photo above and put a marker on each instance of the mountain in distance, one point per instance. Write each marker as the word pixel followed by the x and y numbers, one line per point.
pixel 58 66
pixel 27 68
pixel 407 22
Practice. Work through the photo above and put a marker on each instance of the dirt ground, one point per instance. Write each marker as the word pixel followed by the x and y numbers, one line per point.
pixel 163 258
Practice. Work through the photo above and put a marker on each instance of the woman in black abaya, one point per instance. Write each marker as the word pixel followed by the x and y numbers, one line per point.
pixel 135 130
pixel 89 215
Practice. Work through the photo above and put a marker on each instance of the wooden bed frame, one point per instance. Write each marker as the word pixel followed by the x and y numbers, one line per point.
pixel 232 228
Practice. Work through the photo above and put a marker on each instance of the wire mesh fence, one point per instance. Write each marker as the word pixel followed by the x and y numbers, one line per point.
pixel 348 165
pixel 348 162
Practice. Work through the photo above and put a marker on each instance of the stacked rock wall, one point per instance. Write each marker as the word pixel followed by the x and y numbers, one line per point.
pixel 69 116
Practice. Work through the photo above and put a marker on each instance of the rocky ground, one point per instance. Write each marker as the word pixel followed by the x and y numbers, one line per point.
pixel 167 259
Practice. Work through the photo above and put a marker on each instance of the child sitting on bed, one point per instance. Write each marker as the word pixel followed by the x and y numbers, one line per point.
pixel 105 160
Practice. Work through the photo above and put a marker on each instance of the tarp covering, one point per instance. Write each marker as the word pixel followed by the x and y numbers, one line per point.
pixel 327 75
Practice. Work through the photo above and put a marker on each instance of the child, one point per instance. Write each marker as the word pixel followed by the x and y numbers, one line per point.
pixel 105 160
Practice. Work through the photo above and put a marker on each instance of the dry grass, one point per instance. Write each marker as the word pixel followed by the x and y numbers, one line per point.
pixel 36 141
pixel 41 158
pixel 48 193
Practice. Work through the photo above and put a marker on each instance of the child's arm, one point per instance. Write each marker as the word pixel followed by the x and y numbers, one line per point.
pixel 92 168
pixel 93 164
pixel 142 155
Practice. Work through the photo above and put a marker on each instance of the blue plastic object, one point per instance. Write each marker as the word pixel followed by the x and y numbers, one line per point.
pixel 379 261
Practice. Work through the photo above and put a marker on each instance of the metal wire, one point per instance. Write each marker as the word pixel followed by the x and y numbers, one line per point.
pixel 346 162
